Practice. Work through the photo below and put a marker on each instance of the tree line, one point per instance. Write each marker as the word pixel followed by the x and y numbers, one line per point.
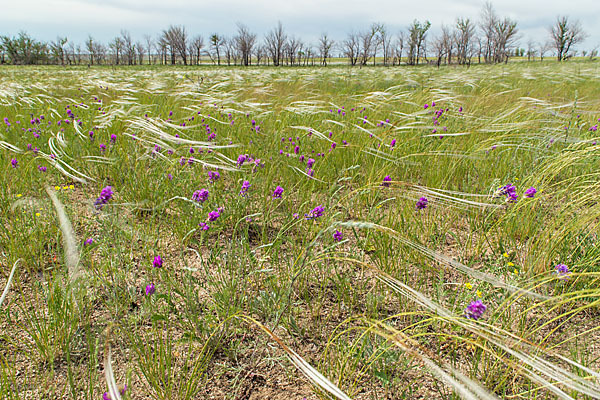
pixel 490 39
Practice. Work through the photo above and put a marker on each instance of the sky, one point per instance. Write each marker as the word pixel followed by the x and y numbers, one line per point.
pixel 306 19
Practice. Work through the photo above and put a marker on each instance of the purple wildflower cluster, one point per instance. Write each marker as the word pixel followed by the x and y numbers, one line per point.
pixel 244 190
pixel 200 195
pixel 475 310
pixel 277 192
pixel 315 213
pixel 105 195
pixel 422 203
pixel 338 236
pixel 562 271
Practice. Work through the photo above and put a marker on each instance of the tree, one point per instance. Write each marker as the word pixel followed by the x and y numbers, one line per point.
pixel 216 42
pixel 366 46
pixel 530 50
pixel 274 42
pixel 197 45
pixel 244 42
pixel 149 46
pixel 417 34
pixel 23 49
pixel 544 47
pixel 400 42
pixel 117 47
pixel 58 50
pixel 505 37
pixel 351 48
pixel 487 25
pixel 128 47
pixel 325 47
pixel 564 35
pixel 464 35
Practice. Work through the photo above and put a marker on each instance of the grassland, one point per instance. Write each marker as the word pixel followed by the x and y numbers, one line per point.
pixel 345 284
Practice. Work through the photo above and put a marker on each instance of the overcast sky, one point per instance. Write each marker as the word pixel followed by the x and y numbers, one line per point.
pixel 307 19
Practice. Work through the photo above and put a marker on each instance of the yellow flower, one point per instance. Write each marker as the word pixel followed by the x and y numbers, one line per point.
pixel 515 271
pixel 516 179
pixel 505 255
pixel 19 195
pixel 479 294
pixel 56 187
pixel 468 285
pixel 37 214
pixel 511 264
pixel 71 187
pixel 65 187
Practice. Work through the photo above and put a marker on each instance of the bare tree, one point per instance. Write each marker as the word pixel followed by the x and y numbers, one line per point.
pixel 530 50
pixel 505 38
pixel 366 46
pixel 197 45
pixel 544 47
pixel 149 46
pixel 351 47
pixel 141 52
pixel 464 34
pixel 564 35
pixel 325 47
pixel 400 42
pixel 244 42
pixel 487 24
pixel 117 47
pixel 292 49
pixel 128 47
pixel 274 42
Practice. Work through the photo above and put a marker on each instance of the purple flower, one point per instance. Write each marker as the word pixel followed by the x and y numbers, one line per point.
pixel 315 213
pixel 277 192
pixel 213 176
pixel 88 242
pixel 393 143
pixel 426 106
pixel 241 159
pixel 150 289
pixel 333 145
pixel 530 193
pixel 510 191
pixel 422 203
pixel 213 215
pixel 200 195
pixel 158 262
pixel 475 310
pixel 203 226
pixel 310 162
pixel 102 147
pixel 113 138
pixel 386 181
pixel 562 271
pixel 245 186
pixel 14 162
pixel 42 168
pixel 105 195
pixel 338 236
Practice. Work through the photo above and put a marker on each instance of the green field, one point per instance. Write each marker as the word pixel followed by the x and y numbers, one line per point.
pixel 405 256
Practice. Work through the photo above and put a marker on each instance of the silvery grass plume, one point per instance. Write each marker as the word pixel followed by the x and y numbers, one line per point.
pixel 314 376
pixel 9 281
pixel 109 376
pixel 536 367
pixel 68 235
pixel 443 259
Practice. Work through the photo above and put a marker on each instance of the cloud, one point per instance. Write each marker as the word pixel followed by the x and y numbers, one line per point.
pixel 306 19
